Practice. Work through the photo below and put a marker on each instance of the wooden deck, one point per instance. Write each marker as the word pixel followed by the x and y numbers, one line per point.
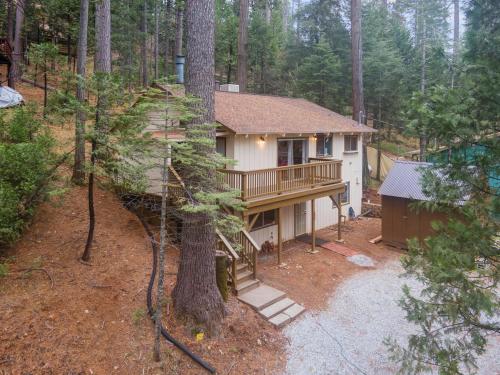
pixel 265 189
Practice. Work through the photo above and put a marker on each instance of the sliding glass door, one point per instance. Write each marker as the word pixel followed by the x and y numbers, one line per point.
pixel 292 151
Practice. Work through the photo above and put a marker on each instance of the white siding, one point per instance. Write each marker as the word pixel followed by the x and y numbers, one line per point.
pixel 251 152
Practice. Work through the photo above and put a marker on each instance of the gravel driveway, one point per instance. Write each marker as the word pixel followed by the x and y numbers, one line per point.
pixel 348 337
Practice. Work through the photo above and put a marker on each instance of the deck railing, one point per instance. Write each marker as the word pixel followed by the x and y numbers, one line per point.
pixel 273 181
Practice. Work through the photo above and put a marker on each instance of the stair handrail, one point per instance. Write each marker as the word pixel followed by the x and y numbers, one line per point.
pixel 255 250
pixel 228 249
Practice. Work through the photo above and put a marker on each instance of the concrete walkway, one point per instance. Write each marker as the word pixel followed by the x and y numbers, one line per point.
pixel 347 338
pixel 272 304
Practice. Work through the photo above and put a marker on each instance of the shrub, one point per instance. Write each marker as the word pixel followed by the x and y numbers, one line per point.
pixel 25 161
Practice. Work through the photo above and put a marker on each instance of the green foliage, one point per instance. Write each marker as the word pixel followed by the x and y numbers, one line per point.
pixel 226 34
pixel 387 76
pixel 457 310
pixel 25 161
pixel 266 40
pixel 43 54
pixel 118 135
pixel 319 74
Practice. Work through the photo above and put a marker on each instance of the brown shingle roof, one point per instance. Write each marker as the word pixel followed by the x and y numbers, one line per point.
pixel 261 114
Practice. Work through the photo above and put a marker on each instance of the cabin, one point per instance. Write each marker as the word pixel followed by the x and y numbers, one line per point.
pixel 400 221
pixel 297 163
pixel 298 168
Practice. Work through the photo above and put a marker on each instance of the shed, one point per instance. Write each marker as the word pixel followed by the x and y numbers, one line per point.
pixel 400 221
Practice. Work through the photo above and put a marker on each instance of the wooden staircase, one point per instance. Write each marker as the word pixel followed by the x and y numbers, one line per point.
pixel 272 304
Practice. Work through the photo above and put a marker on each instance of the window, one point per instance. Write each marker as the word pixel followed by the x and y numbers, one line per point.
pixel 323 145
pixel 350 143
pixel 345 197
pixel 265 219
pixel 220 144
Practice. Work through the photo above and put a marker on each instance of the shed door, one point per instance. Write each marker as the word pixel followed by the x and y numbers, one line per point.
pixel 399 220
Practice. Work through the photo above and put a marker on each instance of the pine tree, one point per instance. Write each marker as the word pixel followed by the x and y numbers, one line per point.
pixel 81 55
pixel 99 139
pixel 195 294
pixel 243 45
pixel 457 311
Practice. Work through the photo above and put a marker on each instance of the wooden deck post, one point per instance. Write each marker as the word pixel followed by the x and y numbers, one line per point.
pixel 313 225
pixel 280 235
pixel 339 209
pixel 244 186
pixel 245 221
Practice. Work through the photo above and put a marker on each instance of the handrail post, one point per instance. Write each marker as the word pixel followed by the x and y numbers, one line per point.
pixel 244 186
pixel 313 174
pixel 233 273
pixel 278 181
pixel 254 261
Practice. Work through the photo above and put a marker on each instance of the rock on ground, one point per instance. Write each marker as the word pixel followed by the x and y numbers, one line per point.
pixel 348 337
pixel 361 260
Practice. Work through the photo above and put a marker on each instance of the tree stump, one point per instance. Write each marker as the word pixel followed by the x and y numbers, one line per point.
pixel 221 273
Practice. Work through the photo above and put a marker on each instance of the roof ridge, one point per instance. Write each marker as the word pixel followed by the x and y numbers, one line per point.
pixel 400 161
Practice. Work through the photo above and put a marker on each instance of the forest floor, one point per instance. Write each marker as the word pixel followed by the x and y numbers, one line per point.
pixel 60 316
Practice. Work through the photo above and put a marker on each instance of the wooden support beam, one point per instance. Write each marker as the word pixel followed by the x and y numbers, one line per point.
pixel 252 223
pixel 280 235
pixel 245 220
pixel 339 210
pixel 313 226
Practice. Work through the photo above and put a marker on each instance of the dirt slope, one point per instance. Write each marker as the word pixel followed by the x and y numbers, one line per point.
pixel 91 320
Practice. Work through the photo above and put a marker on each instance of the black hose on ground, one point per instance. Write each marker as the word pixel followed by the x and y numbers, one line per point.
pixel 164 332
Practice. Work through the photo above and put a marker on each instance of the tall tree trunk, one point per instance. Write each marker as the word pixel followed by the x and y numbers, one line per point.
pixel 299 6
pixel 102 66
pixel 358 104
pixel 10 38
pixel 179 31
pixel 81 55
pixel 423 41
pixel 229 70
pixel 10 21
pixel 144 48
pixel 196 294
pixel 286 14
pixel 16 71
pixel 163 245
pixel 156 40
pixel 268 12
pixel 242 46
pixel 168 30
pixel 456 38
pixel 68 46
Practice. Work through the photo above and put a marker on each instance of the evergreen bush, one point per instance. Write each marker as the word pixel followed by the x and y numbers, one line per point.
pixel 25 162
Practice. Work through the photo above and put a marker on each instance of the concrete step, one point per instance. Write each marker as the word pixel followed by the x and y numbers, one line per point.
pixel 244 275
pixel 261 297
pixel 246 286
pixel 287 316
pixel 276 308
